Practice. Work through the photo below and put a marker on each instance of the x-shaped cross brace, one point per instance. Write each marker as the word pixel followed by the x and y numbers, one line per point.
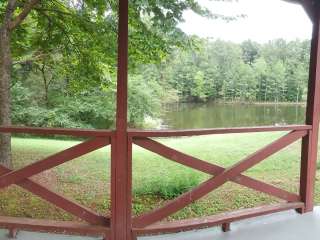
pixel 222 176
pixel 21 178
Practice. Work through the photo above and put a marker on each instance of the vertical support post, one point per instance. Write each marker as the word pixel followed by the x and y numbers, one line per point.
pixel 310 141
pixel 121 165
pixel 226 227
pixel 12 233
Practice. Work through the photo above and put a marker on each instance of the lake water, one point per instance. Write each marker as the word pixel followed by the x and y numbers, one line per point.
pixel 213 115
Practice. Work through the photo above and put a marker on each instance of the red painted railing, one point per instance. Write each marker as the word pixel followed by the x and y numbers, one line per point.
pixel 97 225
pixel 149 223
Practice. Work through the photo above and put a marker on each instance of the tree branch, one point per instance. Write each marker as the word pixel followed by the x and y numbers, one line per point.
pixel 64 31
pixel 54 10
pixel 25 11
pixel 9 12
pixel 31 59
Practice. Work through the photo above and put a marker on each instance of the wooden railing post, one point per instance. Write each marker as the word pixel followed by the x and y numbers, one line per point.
pixel 121 164
pixel 310 142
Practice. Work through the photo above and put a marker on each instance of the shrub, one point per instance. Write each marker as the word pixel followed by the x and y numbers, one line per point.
pixel 168 186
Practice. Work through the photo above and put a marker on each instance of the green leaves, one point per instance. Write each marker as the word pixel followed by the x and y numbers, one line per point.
pixel 83 34
pixel 222 71
pixel 65 55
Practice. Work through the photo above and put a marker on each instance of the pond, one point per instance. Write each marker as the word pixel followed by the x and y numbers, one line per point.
pixel 216 115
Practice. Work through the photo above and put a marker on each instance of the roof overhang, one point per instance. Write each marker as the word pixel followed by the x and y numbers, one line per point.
pixel 308 5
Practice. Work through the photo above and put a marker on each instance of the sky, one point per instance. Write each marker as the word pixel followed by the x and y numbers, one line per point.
pixel 265 20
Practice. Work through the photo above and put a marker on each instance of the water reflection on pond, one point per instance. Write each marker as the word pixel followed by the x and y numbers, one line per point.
pixel 213 115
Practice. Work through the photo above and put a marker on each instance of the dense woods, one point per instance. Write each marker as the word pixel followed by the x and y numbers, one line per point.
pixel 209 71
pixel 276 71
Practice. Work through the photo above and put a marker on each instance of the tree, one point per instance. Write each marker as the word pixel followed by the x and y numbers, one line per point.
pixel 198 90
pixel 9 23
pixel 277 85
pixel 250 51
pixel 262 75
pixel 80 33
pixel 246 83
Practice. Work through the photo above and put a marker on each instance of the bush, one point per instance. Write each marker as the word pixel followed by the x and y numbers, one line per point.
pixel 168 186
pixel 90 108
pixel 143 100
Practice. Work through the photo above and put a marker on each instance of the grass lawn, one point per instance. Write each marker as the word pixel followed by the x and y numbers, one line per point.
pixel 155 179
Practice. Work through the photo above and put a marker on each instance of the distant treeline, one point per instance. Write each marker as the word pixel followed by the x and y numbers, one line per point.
pixel 276 71
pixel 207 70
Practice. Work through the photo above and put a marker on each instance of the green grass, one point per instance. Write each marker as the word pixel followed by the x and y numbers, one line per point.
pixel 155 179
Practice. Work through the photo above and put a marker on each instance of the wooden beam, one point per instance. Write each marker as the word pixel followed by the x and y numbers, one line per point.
pixel 121 163
pixel 12 233
pixel 213 169
pixel 219 219
pixel 310 142
pixel 60 201
pixel 310 7
pixel 64 227
pixel 211 131
pixel 52 161
pixel 217 181
pixel 57 131
pixel 226 227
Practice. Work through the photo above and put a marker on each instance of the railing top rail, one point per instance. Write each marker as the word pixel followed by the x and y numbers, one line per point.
pixel 148 133
pixel 57 131
pixel 211 131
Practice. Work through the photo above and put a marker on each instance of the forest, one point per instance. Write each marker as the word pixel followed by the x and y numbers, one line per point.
pixel 60 64
pixel 248 72
pixel 207 70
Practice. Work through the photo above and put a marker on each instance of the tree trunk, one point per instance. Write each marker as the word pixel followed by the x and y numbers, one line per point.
pixel 5 101
pixel 297 96
pixel 5 72
pixel 45 84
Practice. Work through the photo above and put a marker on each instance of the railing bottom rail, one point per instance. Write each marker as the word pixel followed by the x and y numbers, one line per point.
pixel 63 227
pixel 215 220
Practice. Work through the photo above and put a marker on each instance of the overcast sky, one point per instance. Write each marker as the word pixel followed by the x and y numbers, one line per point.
pixel 265 20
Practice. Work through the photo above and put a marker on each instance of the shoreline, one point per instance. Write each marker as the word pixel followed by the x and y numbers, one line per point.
pixel 243 103
pixel 265 103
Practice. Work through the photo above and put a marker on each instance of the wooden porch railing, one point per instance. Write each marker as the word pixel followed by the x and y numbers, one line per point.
pixel 97 225
pixel 149 223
